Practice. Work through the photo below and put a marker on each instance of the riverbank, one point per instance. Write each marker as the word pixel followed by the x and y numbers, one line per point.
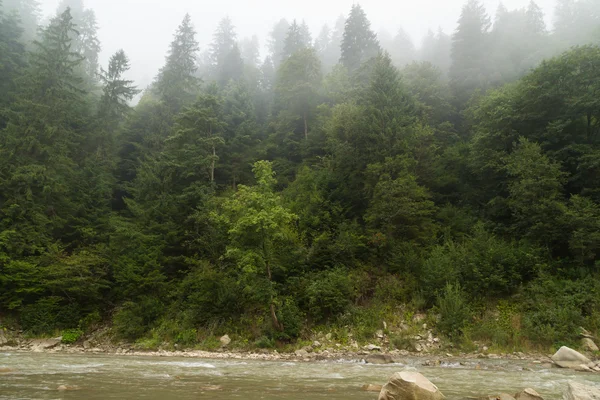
pixel 307 354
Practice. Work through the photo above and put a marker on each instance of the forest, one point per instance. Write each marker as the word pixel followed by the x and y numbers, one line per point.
pixel 345 179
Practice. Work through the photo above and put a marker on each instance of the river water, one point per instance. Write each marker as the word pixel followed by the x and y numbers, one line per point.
pixel 38 376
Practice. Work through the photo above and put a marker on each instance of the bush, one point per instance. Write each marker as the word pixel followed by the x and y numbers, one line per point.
pixel 329 294
pixel 454 311
pixel 264 342
pixel 71 336
pixel 291 317
pixel 49 314
pixel 132 320
pixel 556 308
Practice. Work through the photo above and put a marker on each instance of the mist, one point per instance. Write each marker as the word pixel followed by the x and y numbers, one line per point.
pixel 144 28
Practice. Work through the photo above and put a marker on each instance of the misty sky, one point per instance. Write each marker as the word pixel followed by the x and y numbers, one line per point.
pixel 144 28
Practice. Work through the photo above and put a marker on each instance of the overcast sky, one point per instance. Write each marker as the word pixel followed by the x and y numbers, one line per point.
pixel 144 28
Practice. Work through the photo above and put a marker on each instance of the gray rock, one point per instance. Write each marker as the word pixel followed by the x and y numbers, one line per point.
pixel 588 344
pixel 579 391
pixel 528 394
pixel 372 388
pixel 569 358
pixel 372 347
pixel 225 340
pixel 379 359
pixel 301 353
pixel 409 385
pixel 501 396
pixel 316 344
pixel 39 345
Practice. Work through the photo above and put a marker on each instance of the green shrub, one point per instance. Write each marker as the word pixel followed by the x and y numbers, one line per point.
pixel 556 308
pixel 329 294
pixel 49 314
pixel 453 309
pixel 264 342
pixel 187 337
pixel 391 289
pixel 71 336
pixel 132 320
pixel 291 318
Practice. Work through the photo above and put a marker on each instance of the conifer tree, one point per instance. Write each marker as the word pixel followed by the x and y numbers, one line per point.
pixel 359 42
pixel 176 83
pixel 470 51
pixel 12 58
pixel 276 42
pixel 298 38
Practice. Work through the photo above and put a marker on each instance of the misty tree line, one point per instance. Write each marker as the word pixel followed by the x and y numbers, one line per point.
pixel 326 184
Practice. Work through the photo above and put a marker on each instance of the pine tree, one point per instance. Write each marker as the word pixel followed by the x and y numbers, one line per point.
pixel 12 58
pixel 298 82
pixel 85 40
pixel 250 49
pixel 276 42
pixel 224 53
pixel 403 50
pixel 117 91
pixel 298 38
pixel 470 51
pixel 359 43
pixel 29 15
pixel 176 83
pixel 43 145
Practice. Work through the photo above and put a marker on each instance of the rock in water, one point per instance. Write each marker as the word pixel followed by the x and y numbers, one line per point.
pixel 372 388
pixel 225 340
pixel 39 345
pixel 501 396
pixel 379 359
pixel 409 385
pixel 579 391
pixel 588 344
pixel 528 394
pixel 569 358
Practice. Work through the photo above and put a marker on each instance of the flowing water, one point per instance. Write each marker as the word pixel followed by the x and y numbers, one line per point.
pixel 38 376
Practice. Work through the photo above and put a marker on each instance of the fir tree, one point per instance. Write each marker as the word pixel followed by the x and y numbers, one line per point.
pixel 359 43
pixel 176 83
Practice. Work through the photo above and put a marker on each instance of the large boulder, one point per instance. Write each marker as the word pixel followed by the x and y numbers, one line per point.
pixel 579 391
pixel 588 344
pixel 379 359
pixel 569 358
pixel 409 385
pixel 39 345
pixel 225 340
pixel 528 394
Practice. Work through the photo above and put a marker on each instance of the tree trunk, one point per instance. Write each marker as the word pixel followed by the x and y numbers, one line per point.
pixel 305 127
pixel 276 322
pixel 212 165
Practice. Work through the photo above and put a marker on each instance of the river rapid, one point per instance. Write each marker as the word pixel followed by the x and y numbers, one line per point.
pixel 91 377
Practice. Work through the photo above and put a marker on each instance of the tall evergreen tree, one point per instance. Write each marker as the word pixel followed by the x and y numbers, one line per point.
pixel 29 14
pixel 359 42
pixel 176 83
pixel 403 50
pixel 298 38
pixel 276 41
pixel 225 56
pixel 12 58
pixel 470 51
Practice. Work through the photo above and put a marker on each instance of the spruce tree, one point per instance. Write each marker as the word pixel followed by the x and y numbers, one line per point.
pixel 403 50
pixel 12 58
pixel 276 41
pixel 298 38
pixel 470 51
pixel 359 42
pixel 176 84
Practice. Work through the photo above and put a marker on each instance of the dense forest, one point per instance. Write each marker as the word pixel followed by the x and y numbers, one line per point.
pixel 346 179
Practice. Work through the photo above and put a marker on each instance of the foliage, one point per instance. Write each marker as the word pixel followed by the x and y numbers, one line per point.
pixel 71 336
pixel 319 186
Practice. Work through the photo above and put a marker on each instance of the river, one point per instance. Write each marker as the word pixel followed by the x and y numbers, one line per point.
pixel 38 376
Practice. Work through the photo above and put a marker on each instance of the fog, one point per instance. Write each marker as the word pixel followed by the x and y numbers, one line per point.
pixel 144 28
